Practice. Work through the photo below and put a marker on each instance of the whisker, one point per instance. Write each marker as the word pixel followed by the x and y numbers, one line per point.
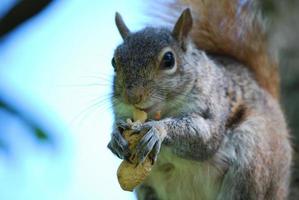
pixel 97 102
pixel 176 103
pixel 101 78
pixel 83 113
pixel 85 85
pixel 173 92
pixel 103 97
pixel 157 97
pixel 112 104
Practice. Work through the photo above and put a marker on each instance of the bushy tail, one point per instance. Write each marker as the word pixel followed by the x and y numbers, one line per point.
pixel 232 28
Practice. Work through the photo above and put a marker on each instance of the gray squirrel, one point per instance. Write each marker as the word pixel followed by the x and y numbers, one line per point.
pixel 222 134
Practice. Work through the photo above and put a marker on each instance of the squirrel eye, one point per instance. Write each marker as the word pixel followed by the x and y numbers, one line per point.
pixel 113 63
pixel 167 61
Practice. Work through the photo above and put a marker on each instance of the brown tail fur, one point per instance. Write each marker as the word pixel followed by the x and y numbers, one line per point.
pixel 232 28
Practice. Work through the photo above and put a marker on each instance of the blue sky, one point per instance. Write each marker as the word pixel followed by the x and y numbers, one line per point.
pixel 56 68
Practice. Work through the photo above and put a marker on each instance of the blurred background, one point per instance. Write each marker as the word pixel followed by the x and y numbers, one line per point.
pixel 55 85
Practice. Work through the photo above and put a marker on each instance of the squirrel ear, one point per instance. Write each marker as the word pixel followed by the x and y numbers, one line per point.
pixel 183 26
pixel 121 26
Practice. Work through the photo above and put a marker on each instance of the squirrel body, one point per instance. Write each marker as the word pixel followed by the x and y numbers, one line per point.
pixel 222 134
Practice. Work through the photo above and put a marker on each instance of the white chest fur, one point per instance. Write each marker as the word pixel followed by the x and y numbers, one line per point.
pixel 176 178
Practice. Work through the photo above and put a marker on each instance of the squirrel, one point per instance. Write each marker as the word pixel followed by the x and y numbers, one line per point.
pixel 214 79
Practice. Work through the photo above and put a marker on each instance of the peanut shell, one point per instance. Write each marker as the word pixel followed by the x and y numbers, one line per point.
pixel 131 174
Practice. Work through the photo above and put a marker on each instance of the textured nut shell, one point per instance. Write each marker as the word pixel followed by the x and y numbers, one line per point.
pixel 132 139
pixel 129 175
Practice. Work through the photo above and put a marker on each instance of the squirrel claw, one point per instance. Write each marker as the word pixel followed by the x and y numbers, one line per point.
pixel 122 125
pixel 150 143
pixel 118 145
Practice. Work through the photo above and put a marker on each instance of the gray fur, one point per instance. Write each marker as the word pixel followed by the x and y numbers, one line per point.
pixel 221 135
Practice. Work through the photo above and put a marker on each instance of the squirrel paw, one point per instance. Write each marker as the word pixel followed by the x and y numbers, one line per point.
pixel 118 144
pixel 151 141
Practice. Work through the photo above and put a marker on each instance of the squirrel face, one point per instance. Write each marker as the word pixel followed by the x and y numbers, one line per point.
pixel 150 65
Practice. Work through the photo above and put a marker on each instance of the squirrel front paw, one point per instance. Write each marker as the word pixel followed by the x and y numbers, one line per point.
pixel 150 144
pixel 118 144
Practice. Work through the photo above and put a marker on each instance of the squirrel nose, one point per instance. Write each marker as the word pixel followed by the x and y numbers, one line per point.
pixel 134 94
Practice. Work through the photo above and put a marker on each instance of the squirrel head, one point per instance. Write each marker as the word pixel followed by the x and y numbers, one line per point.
pixel 151 65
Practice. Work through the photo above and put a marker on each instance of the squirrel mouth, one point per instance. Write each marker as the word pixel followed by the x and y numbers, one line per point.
pixel 152 110
pixel 147 109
